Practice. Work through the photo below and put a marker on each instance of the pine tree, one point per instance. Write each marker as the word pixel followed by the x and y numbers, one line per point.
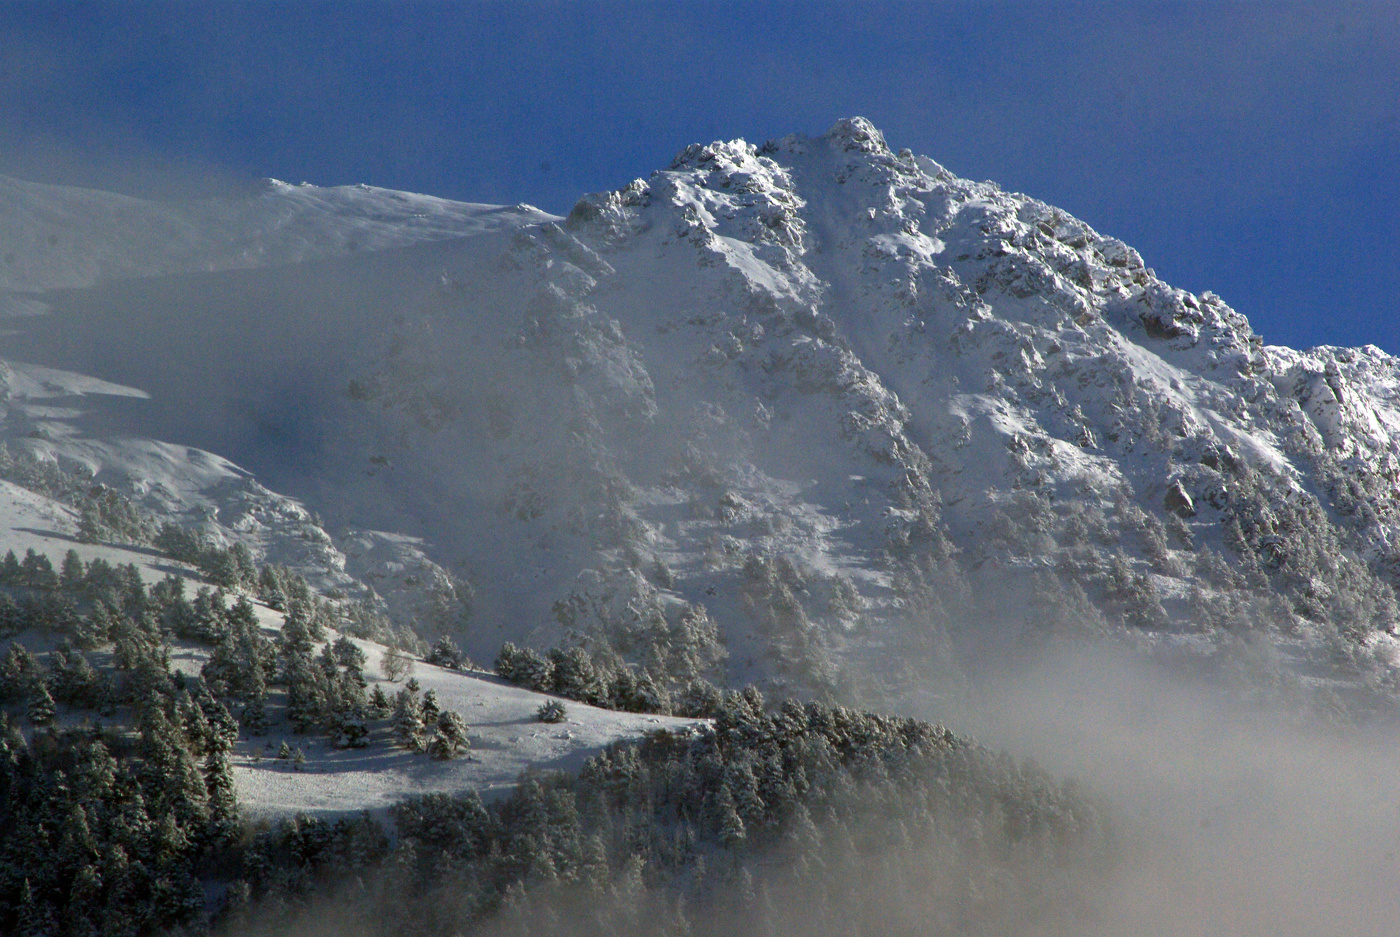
pixel 348 730
pixel 348 654
pixel 253 717
pixel 430 707
pixel 18 670
pixel 246 569
pixel 575 677
pixel 552 711
pixel 41 709
pixel 84 906
pixel 271 589
pixel 379 701
pixel 296 634
pixel 90 526
pixel 11 573
pixel 223 804
pixel 37 572
pixel 728 824
pixel 408 719
pixel 451 736
pixel 525 667
pixel 35 917
pixel 306 694
pixel 71 575
pixel 11 617
pixel 445 653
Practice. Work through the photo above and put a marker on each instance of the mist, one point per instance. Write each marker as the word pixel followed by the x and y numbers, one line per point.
pixel 1238 817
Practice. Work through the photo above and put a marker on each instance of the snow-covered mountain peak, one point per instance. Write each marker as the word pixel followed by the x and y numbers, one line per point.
pixel 979 348
pixel 784 389
pixel 857 134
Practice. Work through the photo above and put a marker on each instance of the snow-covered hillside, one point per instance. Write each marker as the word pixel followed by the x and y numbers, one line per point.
pixel 62 237
pixel 505 736
pixel 791 413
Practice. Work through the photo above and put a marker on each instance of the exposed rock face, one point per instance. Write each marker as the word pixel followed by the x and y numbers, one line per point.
pixel 1178 500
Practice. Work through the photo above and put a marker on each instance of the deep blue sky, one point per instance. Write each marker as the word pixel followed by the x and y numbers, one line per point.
pixel 1251 149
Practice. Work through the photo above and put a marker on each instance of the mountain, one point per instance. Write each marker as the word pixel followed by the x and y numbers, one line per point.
pixel 812 407
pixel 814 418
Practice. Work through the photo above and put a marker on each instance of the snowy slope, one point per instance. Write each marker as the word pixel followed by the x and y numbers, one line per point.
pixel 505 737
pixel 840 399
pixel 64 237
pixel 506 740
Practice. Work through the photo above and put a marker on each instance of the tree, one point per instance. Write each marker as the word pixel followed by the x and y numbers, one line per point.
pixel 247 570
pixel 221 566
pixel 41 709
pixel 254 717
pixel 408 718
pixel 37 571
pixel 348 729
pixel 18 670
pixel 296 633
pixel 575 677
pixel 306 694
pixel 36 918
pixel 728 824
pixel 700 699
pixel 90 526
pixel 271 589
pixel 445 653
pixel 72 573
pixel 348 654
pixel 451 736
pixel 178 543
pixel 395 664
pixel 11 573
pixel 525 667
pixel 223 804
pixel 553 711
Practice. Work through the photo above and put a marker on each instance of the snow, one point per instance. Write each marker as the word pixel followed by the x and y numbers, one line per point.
pixel 506 740
pixel 758 351
pixel 64 237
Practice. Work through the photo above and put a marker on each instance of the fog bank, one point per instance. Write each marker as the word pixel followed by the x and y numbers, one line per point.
pixel 1238 817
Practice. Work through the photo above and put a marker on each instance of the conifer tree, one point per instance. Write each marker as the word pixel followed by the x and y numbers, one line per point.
pixel 11 573
pixel 37 572
pixel 450 739
pixel 379 701
pixel 18 670
pixel 90 526
pixel 445 653
pixel 728 825
pixel 36 917
pixel 408 718
pixel 271 589
pixel 223 803
pixel 348 654
pixel 71 574
pixel 40 708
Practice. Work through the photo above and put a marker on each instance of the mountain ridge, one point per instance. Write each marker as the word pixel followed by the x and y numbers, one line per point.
pixel 834 399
